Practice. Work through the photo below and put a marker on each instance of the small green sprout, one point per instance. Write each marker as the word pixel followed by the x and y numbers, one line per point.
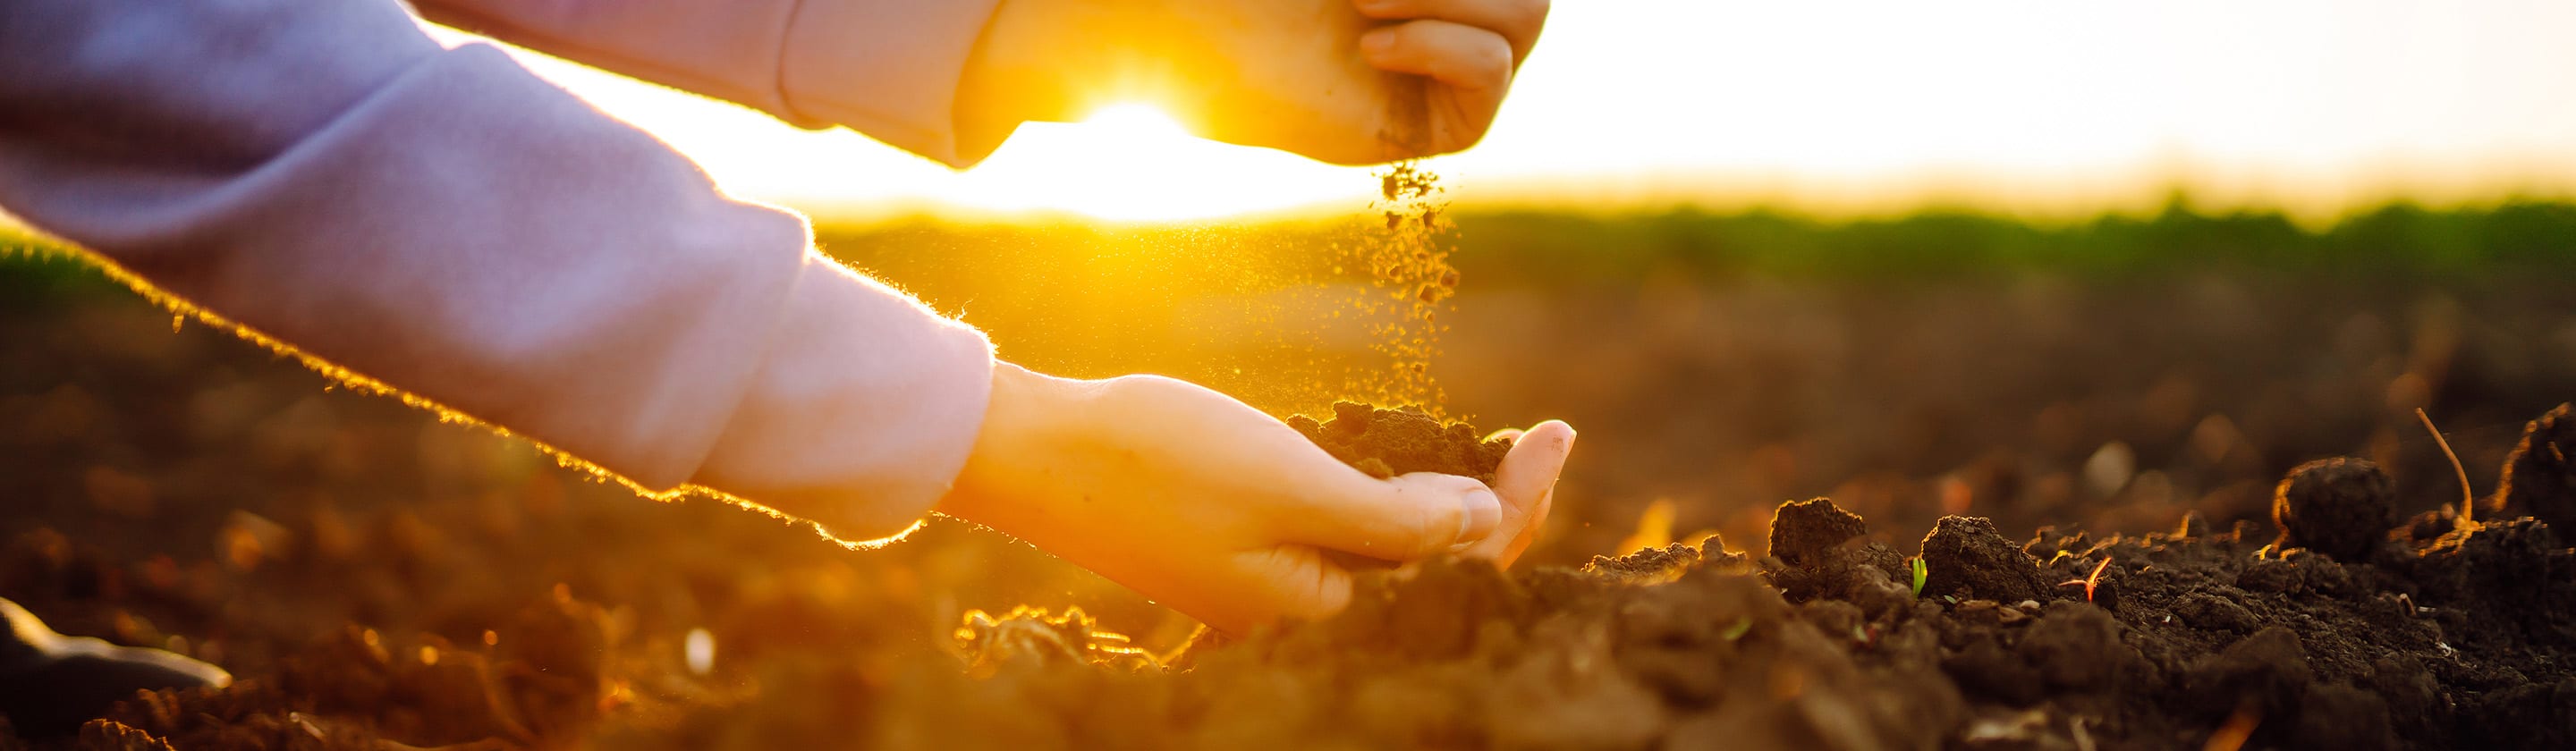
pixel 1737 629
pixel 2089 582
pixel 1921 572
pixel 2468 498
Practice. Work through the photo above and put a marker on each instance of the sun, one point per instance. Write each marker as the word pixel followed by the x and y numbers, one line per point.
pixel 1132 162
pixel 1144 123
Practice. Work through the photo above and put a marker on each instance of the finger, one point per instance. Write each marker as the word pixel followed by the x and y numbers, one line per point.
pixel 1462 56
pixel 1286 581
pixel 1526 481
pixel 1519 21
pixel 1406 518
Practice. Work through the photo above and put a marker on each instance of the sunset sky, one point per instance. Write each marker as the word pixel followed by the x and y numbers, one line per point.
pixel 2037 105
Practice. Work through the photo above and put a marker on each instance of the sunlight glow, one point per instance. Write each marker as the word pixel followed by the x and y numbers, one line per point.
pixel 1124 162
pixel 1133 162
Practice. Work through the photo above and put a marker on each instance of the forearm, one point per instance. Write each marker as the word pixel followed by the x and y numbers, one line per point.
pixel 441 222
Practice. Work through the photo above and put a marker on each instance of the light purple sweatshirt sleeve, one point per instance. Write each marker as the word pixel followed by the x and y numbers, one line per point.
pixel 441 222
pixel 887 68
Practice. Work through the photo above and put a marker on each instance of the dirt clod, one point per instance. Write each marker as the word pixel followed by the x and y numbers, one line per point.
pixel 1966 557
pixel 1803 531
pixel 2340 507
pixel 1646 563
pixel 2213 612
pixel 2540 475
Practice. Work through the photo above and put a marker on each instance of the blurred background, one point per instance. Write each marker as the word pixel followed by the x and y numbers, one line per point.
pixel 2099 265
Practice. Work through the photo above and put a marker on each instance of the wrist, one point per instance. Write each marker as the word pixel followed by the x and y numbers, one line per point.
pixel 1024 408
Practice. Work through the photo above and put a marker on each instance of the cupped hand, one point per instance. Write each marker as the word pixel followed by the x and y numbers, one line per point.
pixel 1212 508
pixel 1342 81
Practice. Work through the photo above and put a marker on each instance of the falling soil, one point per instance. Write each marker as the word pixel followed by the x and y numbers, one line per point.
pixel 1411 280
pixel 1389 442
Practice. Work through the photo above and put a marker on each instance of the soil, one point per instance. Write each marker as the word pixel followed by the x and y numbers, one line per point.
pixel 377 580
pixel 2465 639
pixel 1389 442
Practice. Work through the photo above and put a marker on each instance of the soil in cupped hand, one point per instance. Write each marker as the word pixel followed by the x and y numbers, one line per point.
pixel 1388 442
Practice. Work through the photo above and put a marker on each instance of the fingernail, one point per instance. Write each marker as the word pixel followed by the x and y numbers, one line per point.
pixel 1483 512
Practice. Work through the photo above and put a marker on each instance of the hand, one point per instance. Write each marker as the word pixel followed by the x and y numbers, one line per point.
pixel 1210 507
pixel 1343 81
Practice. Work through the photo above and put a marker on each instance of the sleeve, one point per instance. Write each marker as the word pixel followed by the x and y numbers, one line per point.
pixel 442 223
pixel 886 68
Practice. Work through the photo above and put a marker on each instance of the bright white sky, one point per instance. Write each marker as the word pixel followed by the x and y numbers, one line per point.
pixel 2039 104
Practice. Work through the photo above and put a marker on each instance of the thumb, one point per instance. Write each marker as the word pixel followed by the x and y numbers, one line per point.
pixel 1406 518
pixel 1527 482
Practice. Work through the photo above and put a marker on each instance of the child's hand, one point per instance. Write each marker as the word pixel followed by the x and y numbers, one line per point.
pixel 1316 77
pixel 1215 509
